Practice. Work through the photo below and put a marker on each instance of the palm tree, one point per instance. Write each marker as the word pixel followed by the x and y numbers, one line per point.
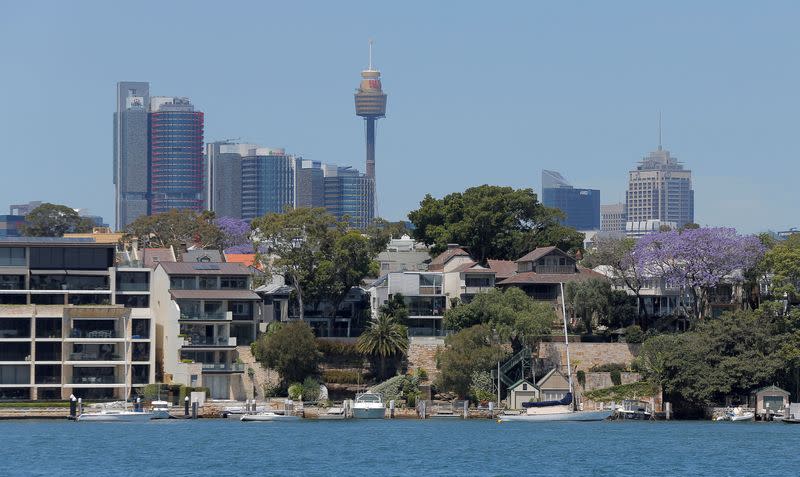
pixel 384 338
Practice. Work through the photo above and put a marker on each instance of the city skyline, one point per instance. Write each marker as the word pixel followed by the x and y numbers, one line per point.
pixel 720 76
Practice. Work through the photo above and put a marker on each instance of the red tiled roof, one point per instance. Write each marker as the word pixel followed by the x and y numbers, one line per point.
pixel 438 262
pixel 551 278
pixel 503 268
pixel 246 259
pixel 472 267
pixel 538 253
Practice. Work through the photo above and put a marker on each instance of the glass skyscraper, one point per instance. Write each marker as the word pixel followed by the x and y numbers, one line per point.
pixel 268 182
pixel 131 153
pixel 176 155
pixel 581 207
pixel 349 195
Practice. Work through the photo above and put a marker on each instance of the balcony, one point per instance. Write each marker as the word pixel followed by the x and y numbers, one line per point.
pixel 471 290
pixel 206 316
pixel 133 287
pixel 94 357
pixel 206 341
pixel 96 380
pixel 223 367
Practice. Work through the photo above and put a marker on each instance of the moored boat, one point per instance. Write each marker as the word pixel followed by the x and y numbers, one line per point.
pixel 369 406
pixel 109 415
pixel 268 416
pixel 160 410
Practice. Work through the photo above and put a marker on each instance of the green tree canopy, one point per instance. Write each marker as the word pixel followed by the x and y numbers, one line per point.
pixel 319 257
pixel 471 350
pixel 589 300
pixel 291 350
pixel 54 220
pixel 511 313
pixel 492 221
pixel 383 339
pixel 176 228
pixel 783 259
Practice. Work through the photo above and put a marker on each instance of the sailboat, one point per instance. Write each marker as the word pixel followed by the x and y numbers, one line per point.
pixel 117 415
pixel 562 409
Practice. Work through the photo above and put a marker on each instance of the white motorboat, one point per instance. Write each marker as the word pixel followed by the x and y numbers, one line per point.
pixel 268 416
pixel 369 406
pixel 563 409
pixel 739 415
pixel 109 415
pixel 160 410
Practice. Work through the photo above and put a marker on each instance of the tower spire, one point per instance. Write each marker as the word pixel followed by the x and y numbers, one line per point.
pixel 370 54
pixel 659 129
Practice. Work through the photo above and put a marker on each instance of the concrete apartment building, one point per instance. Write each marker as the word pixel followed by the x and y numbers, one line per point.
pixel 71 322
pixel 613 217
pixel 203 310
pixel 659 189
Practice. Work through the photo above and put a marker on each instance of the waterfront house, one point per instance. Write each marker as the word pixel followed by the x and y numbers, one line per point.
pixel 520 392
pixel 72 320
pixel 769 399
pixel 204 310
pixel 553 386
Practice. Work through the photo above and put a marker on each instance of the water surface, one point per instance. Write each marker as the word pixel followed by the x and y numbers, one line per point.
pixel 401 447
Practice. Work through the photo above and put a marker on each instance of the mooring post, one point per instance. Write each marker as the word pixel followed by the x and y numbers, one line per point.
pixel 73 405
pixel 186 406
pixel 80 405
pixel 466 409
pixel 491 409
pixel 194 410
pixel 391 409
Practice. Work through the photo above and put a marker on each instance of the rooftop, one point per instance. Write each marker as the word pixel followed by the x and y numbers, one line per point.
pixel 204 268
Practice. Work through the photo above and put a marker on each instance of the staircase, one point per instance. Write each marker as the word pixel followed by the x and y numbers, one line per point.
pixel 261 375
pixel 514 369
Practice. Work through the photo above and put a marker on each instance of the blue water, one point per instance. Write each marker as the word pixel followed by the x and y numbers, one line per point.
pixel 400 447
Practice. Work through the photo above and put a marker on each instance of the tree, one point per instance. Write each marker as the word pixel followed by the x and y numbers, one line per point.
pixel 291 350
pixel 470 350
pixel 492 221
pixel 588 299
pixel 383 339
pixel 54 220
pixel 511 313
pixel 315 253
pixel 396 307
pixel 783 260
pixel 381 231
pixel 618 254
pixel 235 235
pixel 697 259
pixel 175 228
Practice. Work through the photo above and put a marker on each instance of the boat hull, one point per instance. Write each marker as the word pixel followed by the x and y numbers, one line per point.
pixel 558 416
pixel 267 417
pixel 369 413
pixel 115 417
pixel 160 414
pixel 748 416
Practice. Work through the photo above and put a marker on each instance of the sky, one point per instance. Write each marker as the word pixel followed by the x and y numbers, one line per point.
pixel 478 92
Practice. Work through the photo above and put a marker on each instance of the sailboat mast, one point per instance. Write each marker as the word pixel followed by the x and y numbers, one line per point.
pixel 566 339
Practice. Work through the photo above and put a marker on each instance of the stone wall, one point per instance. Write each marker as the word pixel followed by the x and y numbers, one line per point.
pixel 422 354
pixel 586 355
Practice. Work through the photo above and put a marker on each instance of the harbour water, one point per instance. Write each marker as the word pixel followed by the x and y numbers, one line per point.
pixel 400 447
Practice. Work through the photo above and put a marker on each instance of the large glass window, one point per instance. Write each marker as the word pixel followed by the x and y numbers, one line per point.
pixel 208 283
pixel 430 284
pixel 48 299
pixel 19 374
pixel 425 305
pixel 235 283
pixel 12 256
pixel 15 327
pixel 48 328
pixel 12 282
pixel 133 281
pixel 140 329
pixel 15 299
pixel 89 299
pixel 15 351
pixel 48 351
pixel 69 282
pixel 180 282
pixel 242 310
pixel 48 374
pixel 133 301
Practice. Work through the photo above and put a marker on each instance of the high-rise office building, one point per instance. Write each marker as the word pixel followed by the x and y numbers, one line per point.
pixel 131 154
pixel 348 195
pixel 268 182
pixel 660 189
pixel 309 184
pixel 224 172
pixel 370 105
pixel 581 207
pixel 176 155
pixel 613 217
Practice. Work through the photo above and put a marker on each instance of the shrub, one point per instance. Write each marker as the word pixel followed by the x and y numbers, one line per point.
pixel 581 375
pixel 482 387
pixel 609 367
pixel 421 373
pixel 634 334
pixel 310 389
pixel 339 352
pixel 616 377
pixel 291 350
pixel 636 390
pixel 273 390
pixel 342 376
pixel 295 391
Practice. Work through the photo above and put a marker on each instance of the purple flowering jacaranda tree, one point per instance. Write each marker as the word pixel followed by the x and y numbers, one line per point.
pixel 235 235
pixel 698 259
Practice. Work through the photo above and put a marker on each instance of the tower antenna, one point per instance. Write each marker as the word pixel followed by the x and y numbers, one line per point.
pixel 659 129
pixel 370 54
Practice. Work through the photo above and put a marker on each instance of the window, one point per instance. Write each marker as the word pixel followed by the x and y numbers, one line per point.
pixel 208 283
pixel 233 283
pixel 12 282
pixel 12 256
pixel 524 387
pixel 182 283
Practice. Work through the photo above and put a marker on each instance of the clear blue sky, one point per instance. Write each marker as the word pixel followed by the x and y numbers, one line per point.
pixel 478 92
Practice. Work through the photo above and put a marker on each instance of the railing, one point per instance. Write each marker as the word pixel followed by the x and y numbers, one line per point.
pixel 221 315
pixel 48 379
pixel 94 357
pixel 430 290
pixel 425 331
pixel 210 341
pixel 472 290
pixel 96 380
pixel 15 333
pixel 555 269
pixel 223 367
pixel 79 333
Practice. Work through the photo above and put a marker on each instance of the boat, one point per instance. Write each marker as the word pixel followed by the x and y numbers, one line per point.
pixel 112 415
pixel 790 420
pixel 160 410
pixel 333 414
pixel 369 406
pixel 268 416
pixel 634 409
pixel 739 415
pixel 562 409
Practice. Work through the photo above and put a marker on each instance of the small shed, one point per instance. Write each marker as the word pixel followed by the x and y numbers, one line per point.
pixel 520 392
pixel 553 386
pixel 770 398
